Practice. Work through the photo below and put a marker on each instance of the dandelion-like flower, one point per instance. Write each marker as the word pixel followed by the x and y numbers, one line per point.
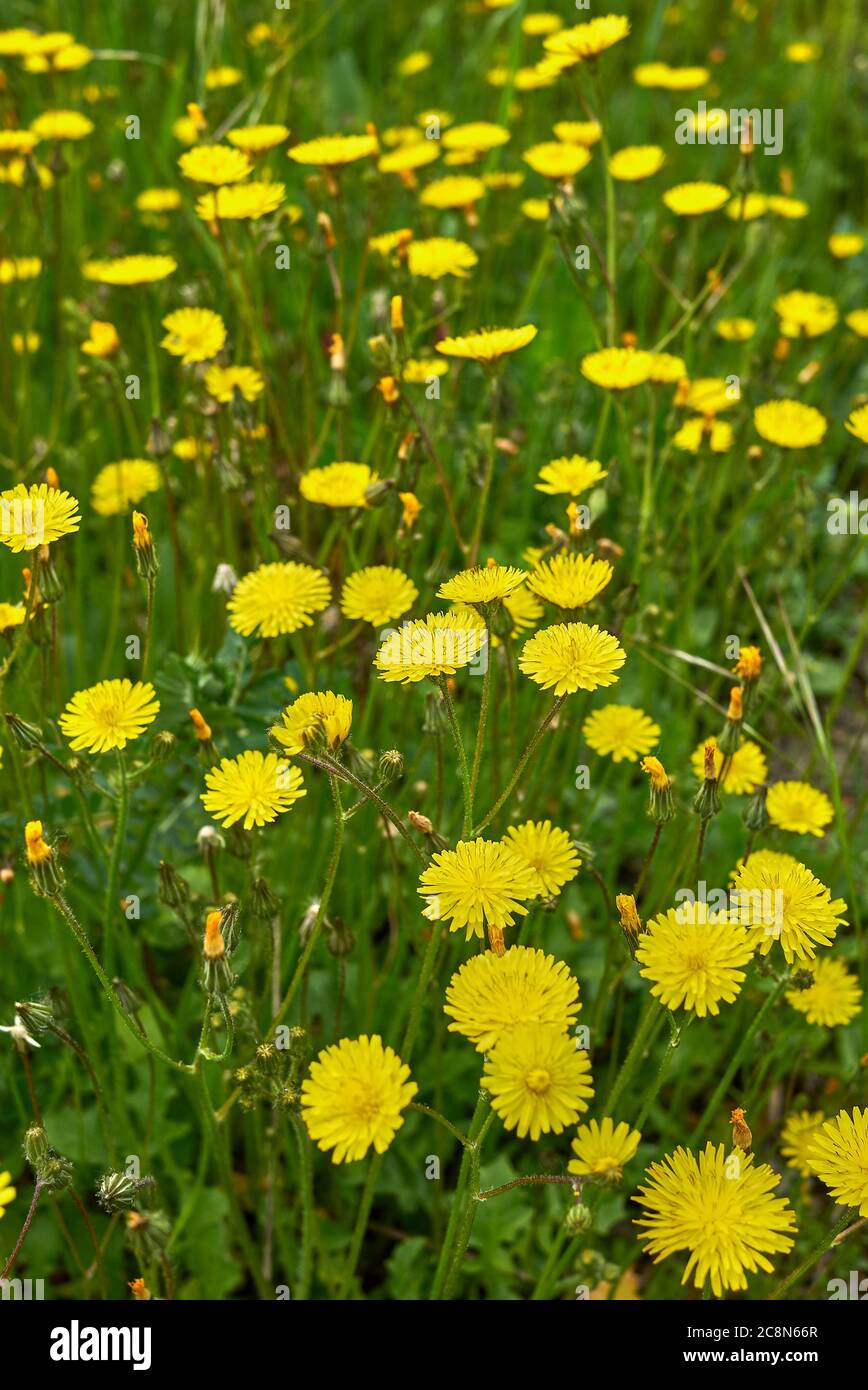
pixel 485 584
pixel 617 369
pixel 194 335
pixel 241 202
pixel 694 958
pixel 453 191
pixel 570 476
pixel 130 270
pixel 109 715
pixel 722 1210
pixel 254 788
pixel 569 580
pixel 437 645
pixel 547 851
pixel 799 807
pixel 554 159
pixel 119 486
pixel 8 1193
pixel 439 256
pixel 332 151
pixel 602 1148
pixel 572 656
pixel 354 1097
pixel 805 314
pixel 636 162
pixel 491 995
pixel 588 40
pixel 377 594
pixel 622 731
pixel 478 884
pixel 338 484
pixel 223 382
pixel 214 164
pixel 256 139
pixel 839 1158
pixel 62 125
pixel 746 768
pixel 278 598
pixel 488 344
pixel 314 714
pixel 857 423
pixel 789 424
pixel 833 997
pixel 538 1079
pixel 36 515
pixel 786 903
pixel 797 1138
pixel 694 199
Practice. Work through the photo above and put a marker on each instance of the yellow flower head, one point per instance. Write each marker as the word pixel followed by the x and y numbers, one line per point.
pixel 194 335
pixel 704 431
pixel 485 584
pixel 617 369
pixel 218 78
pixel 857 319
pixel 17 142
pixel 572 656
pixel 539 1081
pixel 453 191
pixel 36 515
pixel 709 395
pixel 843 245
pixel 832 999
pixel 278 598
pixel 102 339
pixel 11 615
pixel 670 79
pixel 622 731
pixel 478 884
pixel 214 164
pixel 158 200
pixel 241 202
pixel 61 125
pixel 804 314
pixel 694 958
pixel 437 645
pixel 354 1097
pixel 254 788
pixel 720 1209
pixel 129 270
pixel 317 713
pixel 491 995
pixel 547 851
pixel 602 1149
pixel 657 772
pixel 338 484
pixel 554 159
pixel 488 344
pixel 332 151
pixel 36 848
pixel 797 1138
pixel 857 423
pixel 693 199
pixel 19 268
pixel 570 476
pixel 118 486
pixel 579 132
pixel 781 900
pixel 746 769
pixel 799 807
pixel 789 424
pixel 839 1158
pixel 109 715
pixel 256 139
pixel 439 256
pixel 735 330
pixel 413 154
pixel 636 162
pixel 477 136
pixel 749 665
pixel 587 40
pixel 223 382
pixel 377 594
pixel 569 580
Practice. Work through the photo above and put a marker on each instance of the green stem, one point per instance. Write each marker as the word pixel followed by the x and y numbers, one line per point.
pixel 825 1244
pixel 305 1164
pixel 468 1215
pixel 462 757
pixel 522 764
pixel 483 718
pixel 114 868
pixel 649 1025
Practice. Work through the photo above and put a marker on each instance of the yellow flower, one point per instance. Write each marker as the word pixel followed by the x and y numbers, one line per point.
pixel 223 382
pixel 109 715
pixel 670 79
pixel 478 136
pixel 414 63
pixel 377 594
pixel 524 608
pixel 256 139
pixel 541 23
pixel 797 1138
pixel 214 164
pixel 411 507
pixel 570 476
pixel 839 1158
pixel 218 78
pixel 555 159
pixel 129 270
pixel 602 1149
pixel 118 485
pixel 694 956
pixel 803 313
pixel 587 40
pixel 317 712
pixel 158 200
pixel 843 245
pixel 102 339
pixel 547 851
pixel 857 319
pixel 37 850
pixel 36 515
pixel 436 645
pixel 478 884
pixel 439 256
pixel 832 999
pixel 636 162
pixel 857 423
pixel 17 141
pixel 536 209
pixel 572 656
pixel 747 768
pixel 331 151
pixel 803 52
pixel 788 207
pixel 354 1097
pixel 409 156
pixel 418 370
pixel 491 995
pixel 735 330
pixel 799 807
pixel 538 1079
pixel 783 901
pixel 19 268
pixel 278 598
pixel 485 584
pixel 453 191
pixel 710 395
pixel 692 199
pixel 579 132
pixel 747 207
pixel 721 1210
pixel 241 201
pixel 61 125
pixel 11 615
pixel 7 1192
pixel 254 788
pixel 617 369
pixel 338 484
pixel 488 344
pixel 789 424
pixel 570 581
pixel 621 730
pixel 194 335
pixel 715 434
pixel 750 663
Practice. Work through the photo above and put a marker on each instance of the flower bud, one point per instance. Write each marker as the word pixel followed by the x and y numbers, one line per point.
pixel 755 815
pixel 35 1146
pixel 147 563
pixel 163 746
pixel 706 803
pixel 578 1219
pixel 45 874
pixel 661 807
pixel 391 765
pixel 263 904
